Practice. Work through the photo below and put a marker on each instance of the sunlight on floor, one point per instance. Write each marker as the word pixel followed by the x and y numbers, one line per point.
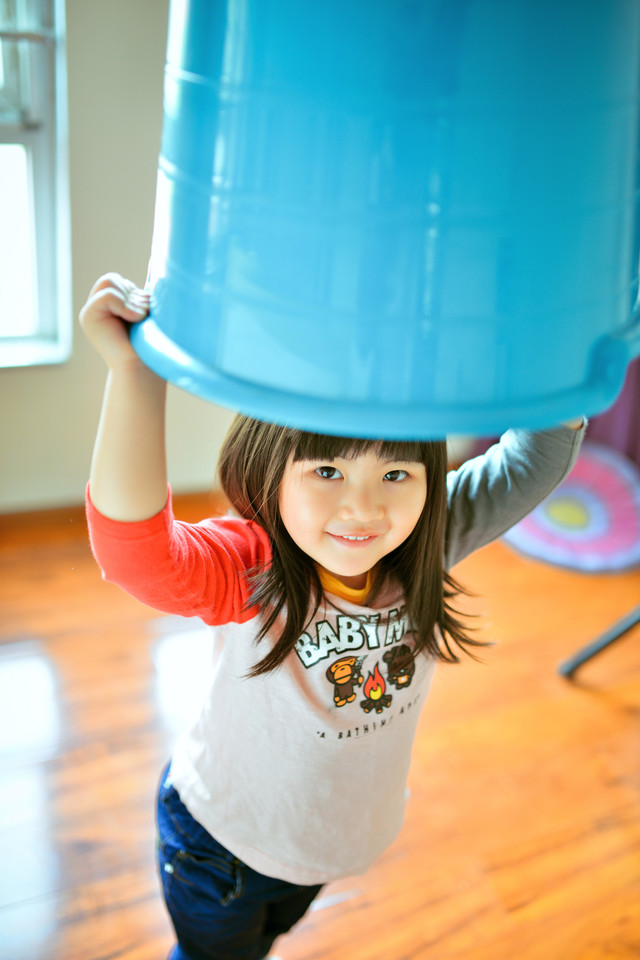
pixel 182 658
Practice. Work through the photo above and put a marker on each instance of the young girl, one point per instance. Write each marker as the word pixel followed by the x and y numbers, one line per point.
pixel 332 602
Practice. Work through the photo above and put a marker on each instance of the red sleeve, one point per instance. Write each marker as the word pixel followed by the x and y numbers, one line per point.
pixel 195 570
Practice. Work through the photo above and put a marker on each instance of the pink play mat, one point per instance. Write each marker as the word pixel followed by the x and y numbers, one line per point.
pixel 591 521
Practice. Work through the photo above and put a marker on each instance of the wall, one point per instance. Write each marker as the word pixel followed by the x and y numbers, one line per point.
pixel 48 415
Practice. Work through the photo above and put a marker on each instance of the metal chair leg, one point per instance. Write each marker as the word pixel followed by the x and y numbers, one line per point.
pixel 568 667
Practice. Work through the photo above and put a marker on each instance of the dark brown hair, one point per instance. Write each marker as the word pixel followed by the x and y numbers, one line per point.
pixel 251 465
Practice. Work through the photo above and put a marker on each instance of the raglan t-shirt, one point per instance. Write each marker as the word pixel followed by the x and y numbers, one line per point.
pixel 302 772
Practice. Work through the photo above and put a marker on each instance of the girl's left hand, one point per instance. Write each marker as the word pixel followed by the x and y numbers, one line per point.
pixel 575 424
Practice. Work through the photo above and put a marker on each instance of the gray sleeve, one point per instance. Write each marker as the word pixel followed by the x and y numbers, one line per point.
pixel 489 494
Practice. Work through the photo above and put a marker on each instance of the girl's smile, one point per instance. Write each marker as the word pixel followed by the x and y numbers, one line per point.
pixel 350 539
pixel 346 514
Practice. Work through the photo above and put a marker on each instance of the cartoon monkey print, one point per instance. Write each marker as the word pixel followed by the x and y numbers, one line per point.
pixel 400 666
pixel 345 675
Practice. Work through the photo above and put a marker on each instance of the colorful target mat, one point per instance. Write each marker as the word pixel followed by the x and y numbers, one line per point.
pixel 591 521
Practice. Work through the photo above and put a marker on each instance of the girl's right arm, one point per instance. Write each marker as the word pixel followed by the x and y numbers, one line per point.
pixel 128 471
pixel 189 569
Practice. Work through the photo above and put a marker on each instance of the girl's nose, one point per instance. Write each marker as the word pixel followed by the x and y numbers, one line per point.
pixel 360 503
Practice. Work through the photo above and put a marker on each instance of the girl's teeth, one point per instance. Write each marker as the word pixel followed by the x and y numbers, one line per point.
pixel 355 538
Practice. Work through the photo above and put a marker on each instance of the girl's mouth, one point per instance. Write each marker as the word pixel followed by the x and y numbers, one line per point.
pixel 353 539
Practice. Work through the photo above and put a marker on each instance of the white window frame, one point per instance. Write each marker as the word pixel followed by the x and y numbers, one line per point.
pixel 43 130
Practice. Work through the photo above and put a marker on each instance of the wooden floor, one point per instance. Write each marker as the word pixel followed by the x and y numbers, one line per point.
pixel 522 839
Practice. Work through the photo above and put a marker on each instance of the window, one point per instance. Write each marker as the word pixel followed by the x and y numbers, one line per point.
pixel 35 250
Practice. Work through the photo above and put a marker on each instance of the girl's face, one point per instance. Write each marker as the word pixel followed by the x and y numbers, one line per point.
pixel 346 514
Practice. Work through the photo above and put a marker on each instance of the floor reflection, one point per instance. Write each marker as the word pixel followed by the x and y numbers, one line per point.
pixel 30 730
pixel 30 866
pixel 182 657
pixel 29 702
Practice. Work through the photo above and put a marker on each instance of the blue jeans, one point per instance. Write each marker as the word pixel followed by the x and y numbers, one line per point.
pixel 220 908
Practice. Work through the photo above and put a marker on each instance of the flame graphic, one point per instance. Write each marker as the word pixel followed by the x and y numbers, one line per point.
pixel 374 687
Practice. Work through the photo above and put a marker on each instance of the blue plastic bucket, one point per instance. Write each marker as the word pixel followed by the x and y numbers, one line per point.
pixel 398 218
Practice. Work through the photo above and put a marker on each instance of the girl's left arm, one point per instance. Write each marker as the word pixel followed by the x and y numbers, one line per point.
pixel 491 493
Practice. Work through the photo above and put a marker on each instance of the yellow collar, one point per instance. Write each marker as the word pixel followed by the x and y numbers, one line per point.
pixel 331 584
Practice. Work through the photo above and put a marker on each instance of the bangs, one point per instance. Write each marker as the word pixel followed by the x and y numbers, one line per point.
pixel 316 446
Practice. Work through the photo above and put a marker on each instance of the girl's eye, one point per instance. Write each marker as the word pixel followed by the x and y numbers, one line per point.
pixel 328 473
pixel 396 475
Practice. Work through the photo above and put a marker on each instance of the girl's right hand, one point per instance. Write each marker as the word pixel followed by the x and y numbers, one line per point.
pixel 114 303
